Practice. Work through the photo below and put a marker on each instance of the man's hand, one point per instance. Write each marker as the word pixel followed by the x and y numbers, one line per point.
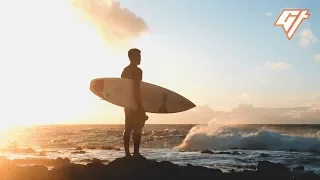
pixel 141 109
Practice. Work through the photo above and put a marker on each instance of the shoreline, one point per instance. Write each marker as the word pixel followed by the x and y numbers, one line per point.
pixel 134 168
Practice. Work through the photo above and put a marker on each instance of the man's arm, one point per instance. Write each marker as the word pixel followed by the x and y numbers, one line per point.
pixel 136 89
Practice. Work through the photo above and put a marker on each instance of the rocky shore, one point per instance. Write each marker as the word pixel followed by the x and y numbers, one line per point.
pixel 143 169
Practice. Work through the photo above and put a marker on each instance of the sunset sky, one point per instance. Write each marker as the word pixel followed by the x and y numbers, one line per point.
pixel 225 56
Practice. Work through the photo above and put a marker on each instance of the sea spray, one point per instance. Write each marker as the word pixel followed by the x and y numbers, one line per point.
pixel 217 136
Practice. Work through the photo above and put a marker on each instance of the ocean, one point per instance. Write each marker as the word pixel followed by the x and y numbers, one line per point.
pixel 235 147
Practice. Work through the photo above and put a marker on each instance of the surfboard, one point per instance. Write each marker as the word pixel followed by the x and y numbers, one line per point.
pixel 155 99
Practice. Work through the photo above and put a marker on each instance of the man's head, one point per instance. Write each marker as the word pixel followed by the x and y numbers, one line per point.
pixel 134 56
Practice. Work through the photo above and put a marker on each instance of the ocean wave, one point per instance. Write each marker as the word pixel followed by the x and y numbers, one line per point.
pixel 214 137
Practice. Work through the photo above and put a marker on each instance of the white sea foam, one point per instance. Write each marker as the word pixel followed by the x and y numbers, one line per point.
pixel 214 136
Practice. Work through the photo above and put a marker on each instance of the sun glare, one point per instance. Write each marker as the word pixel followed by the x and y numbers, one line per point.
pixel 59 53
pixel 71 49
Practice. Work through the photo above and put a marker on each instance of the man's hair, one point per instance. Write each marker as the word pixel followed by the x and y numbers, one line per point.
pixel 133 52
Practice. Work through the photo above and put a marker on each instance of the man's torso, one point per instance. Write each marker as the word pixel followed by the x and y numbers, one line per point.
pixel 134 73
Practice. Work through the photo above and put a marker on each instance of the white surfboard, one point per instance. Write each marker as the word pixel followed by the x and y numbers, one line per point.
pixel 155 99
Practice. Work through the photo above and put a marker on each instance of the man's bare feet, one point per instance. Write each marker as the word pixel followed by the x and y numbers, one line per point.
pixel 128 155
pixel 138 155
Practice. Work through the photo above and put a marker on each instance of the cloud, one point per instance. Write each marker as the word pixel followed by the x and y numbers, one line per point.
pixel 268 14
pixel 258 69
pixel 244 96
pixel 198 115
pixel 316 97
pixel 246 114
pixel 317 57
pixel 275 66
pixel 116 24
pixel 306 38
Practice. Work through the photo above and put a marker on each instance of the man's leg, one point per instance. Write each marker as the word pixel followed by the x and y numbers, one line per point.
pixel 137 140
pixel 126 140
pixel 126 135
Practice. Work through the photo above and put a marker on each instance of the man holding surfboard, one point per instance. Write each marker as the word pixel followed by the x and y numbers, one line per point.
pixel 134 119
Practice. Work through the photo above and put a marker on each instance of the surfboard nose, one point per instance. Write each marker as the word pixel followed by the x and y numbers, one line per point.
pixel 97 86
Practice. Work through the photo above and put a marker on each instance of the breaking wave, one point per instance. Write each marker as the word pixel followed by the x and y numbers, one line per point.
pixel 214 137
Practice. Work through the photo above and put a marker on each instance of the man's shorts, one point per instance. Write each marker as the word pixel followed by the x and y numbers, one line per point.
pixel 134 120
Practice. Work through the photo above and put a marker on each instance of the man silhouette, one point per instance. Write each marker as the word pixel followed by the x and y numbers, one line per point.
pixel 134 119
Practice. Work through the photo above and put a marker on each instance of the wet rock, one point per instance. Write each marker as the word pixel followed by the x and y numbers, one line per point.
pixel 293 150
pixel 307 176
pixel 42 154
pixel 246 166
pixel 27 150
pixel 207 152
pixel 95 160
pixel 59 163
pixel 298 168
pixel 314 151
pixel 231 153
pixel 144 169
pixel 273 170
pixel 78 152
pixel 250 167
pixel 110 148
pixel 78 148
pixel 37 161
pixel 265 155
pixel 91 147
pixel 32 172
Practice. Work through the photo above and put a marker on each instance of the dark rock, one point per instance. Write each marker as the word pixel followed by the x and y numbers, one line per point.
pixel 78 152
pixel 264 155
pixel 231 153
pixel 59 163
pixel 42 154
pixel 32 172
pixel 273 170
pixel 110 148
pixel 78 148
pixel 307 176
pixel 91 147
pixel 293 150
pixel 192 172
pixel 246 166
pixel 248 171
pixel 250 167
pixel 95 160
pixel 207 152
pixel 314 151
pixel 28 150
pixel 37 161
pixel 222 152
pixel 144 169
pixel 298 168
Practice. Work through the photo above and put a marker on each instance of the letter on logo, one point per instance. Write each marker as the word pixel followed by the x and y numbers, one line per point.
pixel 290 20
